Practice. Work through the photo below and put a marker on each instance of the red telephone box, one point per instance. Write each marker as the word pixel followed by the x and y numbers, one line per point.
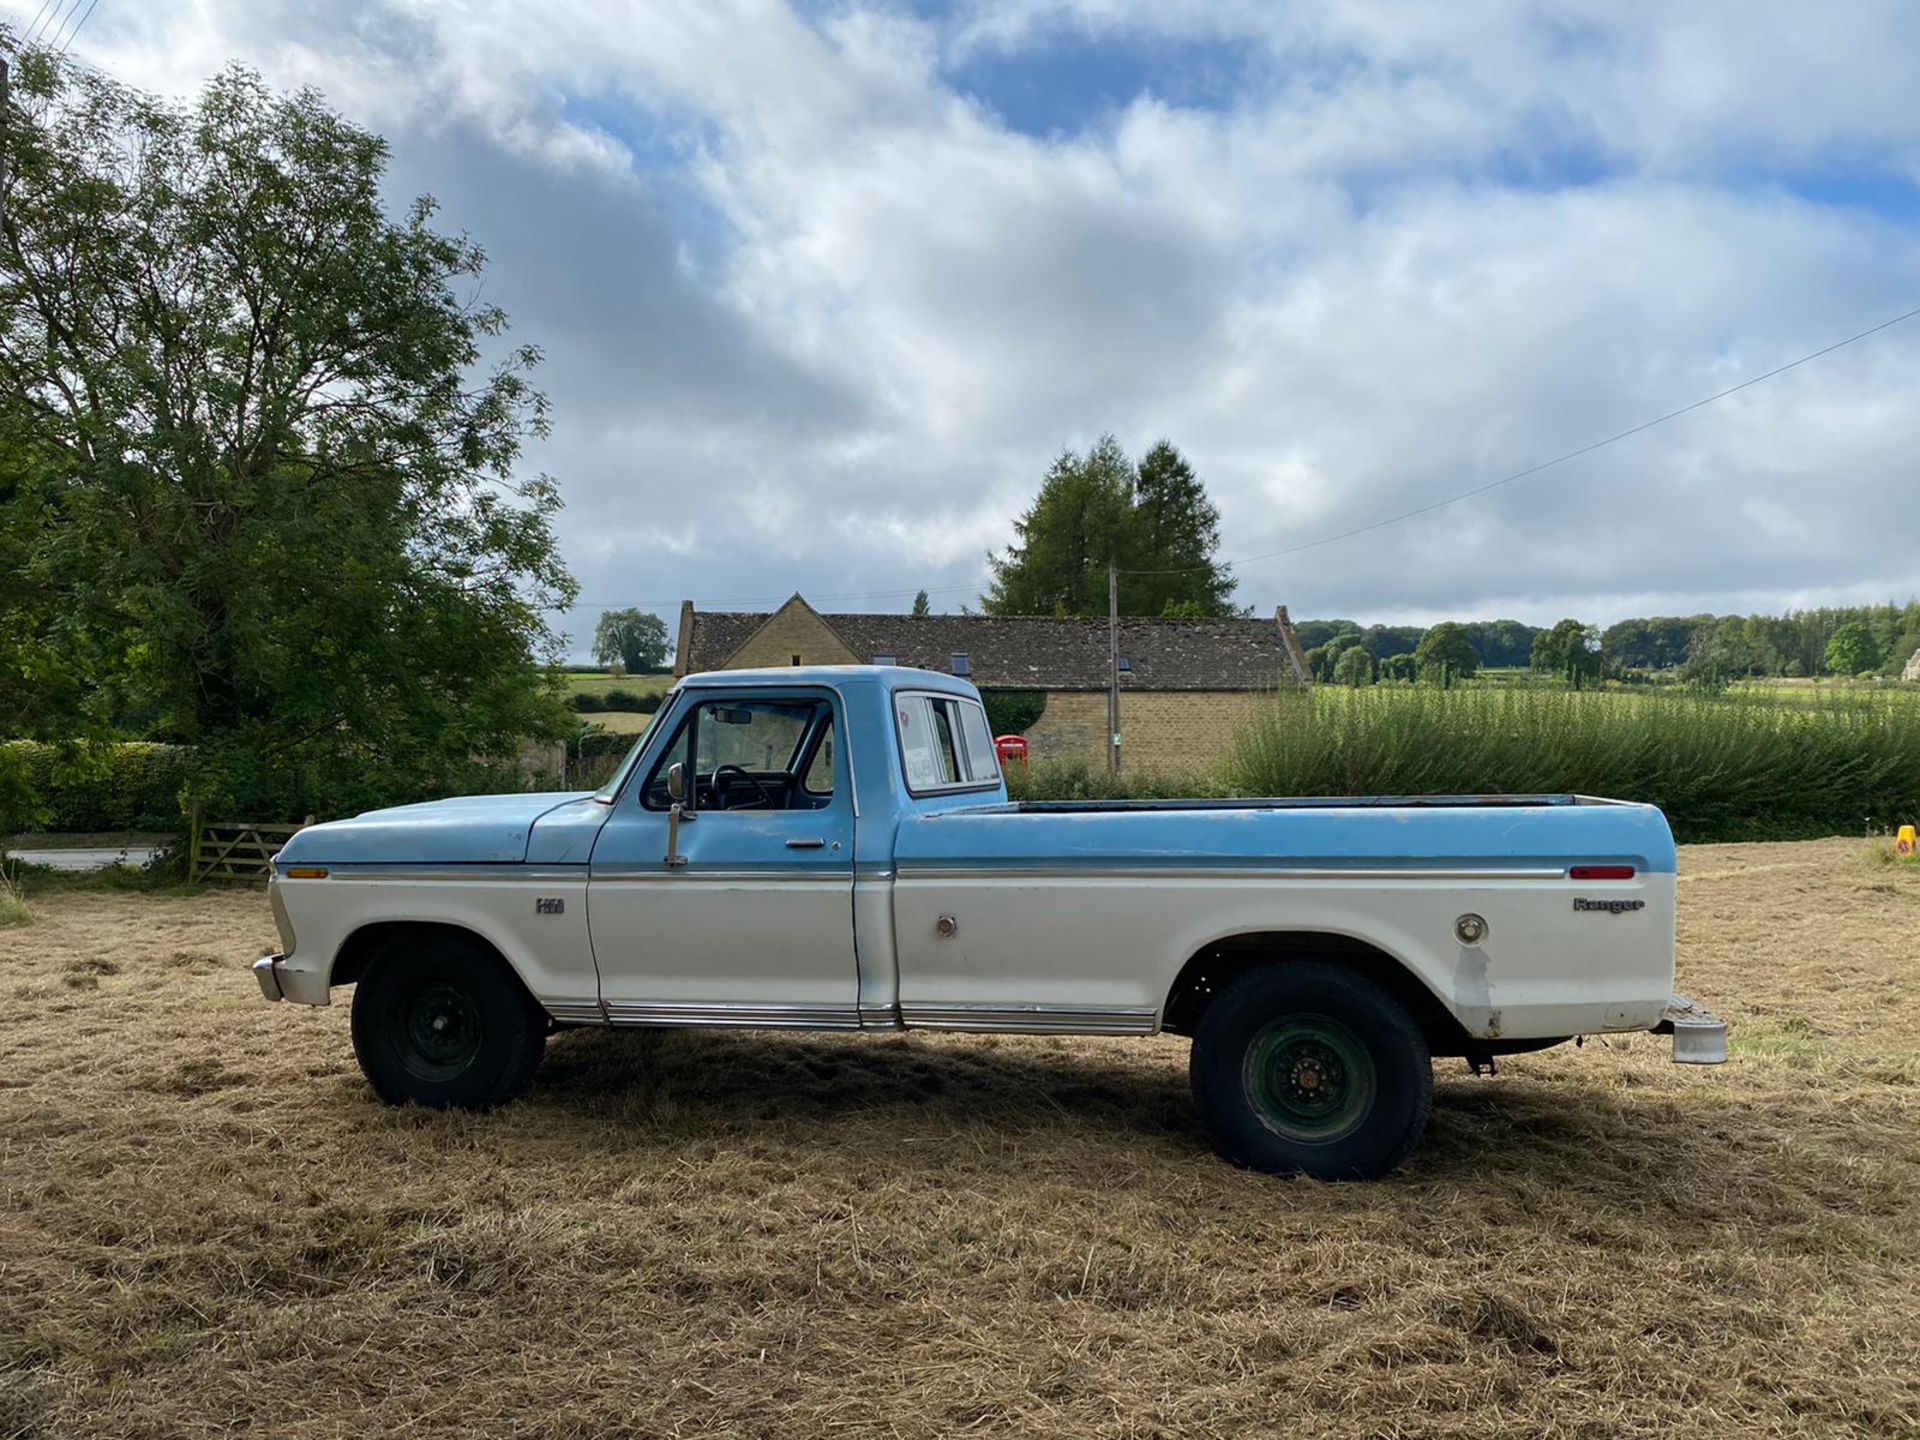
pixel 1011 747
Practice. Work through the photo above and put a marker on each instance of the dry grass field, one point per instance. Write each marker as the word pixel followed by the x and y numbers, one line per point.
pixel 208 1227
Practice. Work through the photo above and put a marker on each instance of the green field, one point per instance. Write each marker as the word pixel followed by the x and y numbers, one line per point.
pixel 592 682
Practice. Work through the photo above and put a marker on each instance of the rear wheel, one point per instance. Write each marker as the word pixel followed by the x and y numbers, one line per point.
pixel 445 1023
pixel 1308 1067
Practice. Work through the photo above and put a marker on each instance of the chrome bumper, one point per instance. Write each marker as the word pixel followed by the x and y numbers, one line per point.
pixel 1699 1035
pixel 267 971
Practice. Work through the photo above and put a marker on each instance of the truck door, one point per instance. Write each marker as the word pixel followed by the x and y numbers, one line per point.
pixel 750 922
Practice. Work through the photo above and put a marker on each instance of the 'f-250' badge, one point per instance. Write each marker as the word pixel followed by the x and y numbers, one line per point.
pixel 549 905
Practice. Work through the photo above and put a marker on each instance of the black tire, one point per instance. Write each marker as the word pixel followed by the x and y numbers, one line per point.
pixel 1309 1068
pixel 446 1023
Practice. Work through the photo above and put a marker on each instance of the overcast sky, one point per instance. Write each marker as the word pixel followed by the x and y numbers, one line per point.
pixel 824 287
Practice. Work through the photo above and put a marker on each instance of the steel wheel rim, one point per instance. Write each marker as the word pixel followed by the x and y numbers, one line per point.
pixel 1310 1079
pixel 442 1028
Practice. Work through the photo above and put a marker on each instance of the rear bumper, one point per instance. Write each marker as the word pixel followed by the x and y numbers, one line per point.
pixel 1699 1035
pixel 267 971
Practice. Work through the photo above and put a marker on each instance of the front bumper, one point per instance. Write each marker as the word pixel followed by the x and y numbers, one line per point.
pixel 1699 1035
pixel 267 971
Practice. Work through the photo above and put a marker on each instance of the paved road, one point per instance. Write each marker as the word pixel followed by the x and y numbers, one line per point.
pixel 85 858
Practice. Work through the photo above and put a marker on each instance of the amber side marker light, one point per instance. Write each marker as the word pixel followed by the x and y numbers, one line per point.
pixel 306 872
pixel 1598 872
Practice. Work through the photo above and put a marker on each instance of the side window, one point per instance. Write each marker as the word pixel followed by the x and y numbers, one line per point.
pixel 940 738
pixel 927 768
pixel 983 761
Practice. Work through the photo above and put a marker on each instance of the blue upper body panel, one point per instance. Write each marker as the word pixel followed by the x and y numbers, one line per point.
pixel 978 829
pixel 1330 834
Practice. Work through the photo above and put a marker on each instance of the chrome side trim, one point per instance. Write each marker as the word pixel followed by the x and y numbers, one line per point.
pixel 575 1012
pixel 730 1013
pixel 484 870
pixel 880 1017
pixel 1121 871
pixel 653 873
pixel 1033 1019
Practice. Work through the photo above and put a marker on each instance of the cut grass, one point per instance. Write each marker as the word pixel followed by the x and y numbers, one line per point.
pixel 208 1226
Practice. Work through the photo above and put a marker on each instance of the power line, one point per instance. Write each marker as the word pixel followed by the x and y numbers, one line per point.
pixel 26 36
pixel 55 20
pixel 91 7
pixel 1549 464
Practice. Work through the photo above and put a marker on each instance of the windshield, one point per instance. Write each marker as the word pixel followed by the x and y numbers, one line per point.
pixel 610 791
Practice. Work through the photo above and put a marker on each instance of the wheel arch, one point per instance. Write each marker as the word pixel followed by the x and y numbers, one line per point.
pixel 368 941
pixel 1221 960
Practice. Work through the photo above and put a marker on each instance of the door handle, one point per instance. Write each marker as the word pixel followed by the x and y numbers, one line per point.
pixel 806 844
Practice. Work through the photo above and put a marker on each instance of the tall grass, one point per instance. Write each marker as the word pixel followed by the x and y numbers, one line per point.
pixel 1722 767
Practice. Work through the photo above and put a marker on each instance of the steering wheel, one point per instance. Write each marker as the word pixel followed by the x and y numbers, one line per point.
pixel 766 795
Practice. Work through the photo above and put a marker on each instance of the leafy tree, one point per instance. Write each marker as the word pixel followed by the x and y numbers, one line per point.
pixel 1659 643
pixel 278 513
pixel 1502 644
pixel 922 605
pixel 637 639
pixel 1318 632
pixel 1174 536
pixel 1354 667
pixel 1852 650
pixel 1384 640
pixel 1322 660
pixel 1154 522
pixel 1075 528
pixel 1445 654
pixel 1398 667
pixel 1571 650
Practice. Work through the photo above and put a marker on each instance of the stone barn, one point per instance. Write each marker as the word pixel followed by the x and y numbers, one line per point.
pixel 1185 685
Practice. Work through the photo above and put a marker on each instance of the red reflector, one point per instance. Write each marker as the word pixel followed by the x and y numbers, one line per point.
pixel 1600 872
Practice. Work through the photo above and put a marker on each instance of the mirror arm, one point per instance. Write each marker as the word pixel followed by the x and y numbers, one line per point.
pixel 676 812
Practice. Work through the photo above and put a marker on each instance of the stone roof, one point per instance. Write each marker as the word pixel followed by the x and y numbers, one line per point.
pixel 1037 653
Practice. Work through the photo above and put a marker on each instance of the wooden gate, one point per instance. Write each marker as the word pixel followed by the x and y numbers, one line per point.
pixel 234 850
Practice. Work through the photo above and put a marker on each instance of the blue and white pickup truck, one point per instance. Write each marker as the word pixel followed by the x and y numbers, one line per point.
pixel 832 848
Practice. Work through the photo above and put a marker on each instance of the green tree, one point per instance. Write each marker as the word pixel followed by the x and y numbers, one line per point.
pixel 281 504
pixel 1570 650
pixel 1154 522
pixel 1354 667
pixel 637 639
pixel 1398 667
pixel 922 605
pixel 1445 655
pixel 1174 536
pixel 1076 527
pixel 1852 650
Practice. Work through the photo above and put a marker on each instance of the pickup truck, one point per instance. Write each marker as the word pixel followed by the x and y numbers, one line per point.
pixel 832 848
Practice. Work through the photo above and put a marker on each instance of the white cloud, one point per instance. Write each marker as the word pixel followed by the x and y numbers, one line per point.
pixel 816 319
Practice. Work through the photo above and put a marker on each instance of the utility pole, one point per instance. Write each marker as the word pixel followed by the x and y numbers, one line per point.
pixel 1113 671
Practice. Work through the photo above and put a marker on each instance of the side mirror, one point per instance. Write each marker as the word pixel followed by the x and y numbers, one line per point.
pixel 676 792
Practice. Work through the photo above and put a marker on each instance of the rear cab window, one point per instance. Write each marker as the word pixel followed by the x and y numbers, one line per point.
pixel 945 743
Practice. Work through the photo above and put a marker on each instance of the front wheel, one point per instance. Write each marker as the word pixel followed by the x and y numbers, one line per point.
pixel 446 1024
pixel 1310 1068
